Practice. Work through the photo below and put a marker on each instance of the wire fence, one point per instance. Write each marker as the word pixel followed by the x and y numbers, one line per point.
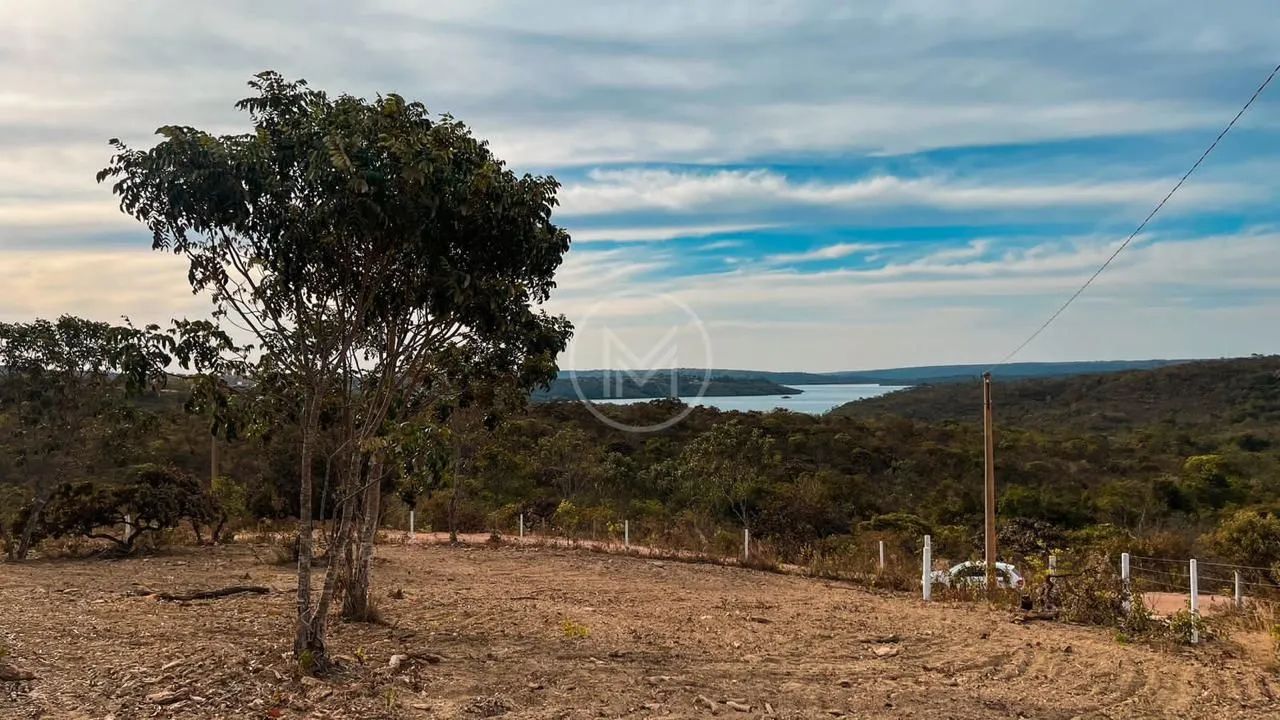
pixel 1172 575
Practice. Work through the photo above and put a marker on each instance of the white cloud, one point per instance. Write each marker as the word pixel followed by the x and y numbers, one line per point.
pixel 632 190
pixel 826 252
pixel 720 245
pixel 651 234
pixel 1160 299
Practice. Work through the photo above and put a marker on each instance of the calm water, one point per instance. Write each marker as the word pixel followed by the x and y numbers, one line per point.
pixel 815 400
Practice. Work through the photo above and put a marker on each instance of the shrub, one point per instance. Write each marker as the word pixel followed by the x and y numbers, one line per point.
pixel 567 517
pixel 1097 596
pixel 1183 628
pixel 898 522
pixel 1248 538
pixel 156 499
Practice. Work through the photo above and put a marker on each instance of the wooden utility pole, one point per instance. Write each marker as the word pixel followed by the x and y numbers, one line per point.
pixel 988 435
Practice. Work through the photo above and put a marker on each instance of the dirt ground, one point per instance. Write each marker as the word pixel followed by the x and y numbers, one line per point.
pixel 523 632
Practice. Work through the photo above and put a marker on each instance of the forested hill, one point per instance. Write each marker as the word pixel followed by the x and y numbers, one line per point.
pixel 1242 391
pixel 916 375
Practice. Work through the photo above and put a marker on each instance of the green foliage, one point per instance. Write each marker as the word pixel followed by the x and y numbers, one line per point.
pixel 897 522
pixel 728 466
pixel 1206 481
pixel 156 499
pixel 1249 538
pixel 232 497
pixel 567 517
pixel 1184 628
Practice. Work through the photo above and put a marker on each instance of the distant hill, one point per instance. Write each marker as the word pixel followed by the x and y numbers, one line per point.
pixel 930 374
pixel 592 387
pixel 1200 393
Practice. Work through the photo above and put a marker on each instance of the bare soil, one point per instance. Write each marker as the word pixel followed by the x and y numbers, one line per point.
pixel 525 632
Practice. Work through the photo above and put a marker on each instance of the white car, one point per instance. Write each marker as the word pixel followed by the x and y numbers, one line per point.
pixel 973 574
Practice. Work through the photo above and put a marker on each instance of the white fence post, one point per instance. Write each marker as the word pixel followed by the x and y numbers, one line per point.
pixel 882 556
pixel 521 524
pixel 1195 600
pixel 926 573
pixel 626 533
pixel 746 544
pixel 1124 581
pixel 128 526
pixel 1239 591
pixel 411 521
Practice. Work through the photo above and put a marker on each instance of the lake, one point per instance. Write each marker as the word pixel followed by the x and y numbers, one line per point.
pixel 815 400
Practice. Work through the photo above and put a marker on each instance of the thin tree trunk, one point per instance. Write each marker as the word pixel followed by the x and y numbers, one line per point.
pixel 356 605
pixel 324 490
pixel 29 528
pixel 308 644
pixel 319 621
pixel 213 461
pixel 453 511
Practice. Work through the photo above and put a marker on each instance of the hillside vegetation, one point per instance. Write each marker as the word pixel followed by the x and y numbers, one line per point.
pixel 1243 392
pixel 900 375
pixel 1181 458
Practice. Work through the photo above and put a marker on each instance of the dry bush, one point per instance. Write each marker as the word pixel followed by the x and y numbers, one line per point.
pixel 1256 616
pixel 846 559
pixel 274 548
pixel 1002 597
pixel 762 557
pixel 1096 595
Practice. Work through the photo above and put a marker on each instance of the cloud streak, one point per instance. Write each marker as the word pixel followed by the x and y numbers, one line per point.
pixel 631 190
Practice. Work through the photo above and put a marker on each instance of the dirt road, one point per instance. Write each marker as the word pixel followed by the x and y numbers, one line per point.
pixel 548 633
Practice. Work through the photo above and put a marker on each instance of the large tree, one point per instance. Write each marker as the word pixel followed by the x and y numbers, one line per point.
pixel 357 241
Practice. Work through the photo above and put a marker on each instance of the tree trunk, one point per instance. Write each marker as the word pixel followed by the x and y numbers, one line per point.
pixel 29 528
pixel 356 600
pixel 318 624
pixel 213 461
pixel 308 642
pixel 453 512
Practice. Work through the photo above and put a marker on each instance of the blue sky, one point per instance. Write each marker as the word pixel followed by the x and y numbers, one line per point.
pixel 821 185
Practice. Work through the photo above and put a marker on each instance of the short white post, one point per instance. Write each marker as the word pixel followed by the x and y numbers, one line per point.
pixel 1053 562
pixel 1124 581
pixel 1239 591
pixel 626 533
pixel 926 573
pixel 746 544
pixel 410 521
pixel 882 555
pixel 1195 600
pixel 128 526
pixel 521 524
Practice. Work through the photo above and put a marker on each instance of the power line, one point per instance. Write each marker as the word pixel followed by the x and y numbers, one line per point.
pixel 1143 224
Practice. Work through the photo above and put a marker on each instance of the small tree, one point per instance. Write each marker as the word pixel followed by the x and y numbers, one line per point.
pixel 155 499
pixel 1250 538
pixel 727 467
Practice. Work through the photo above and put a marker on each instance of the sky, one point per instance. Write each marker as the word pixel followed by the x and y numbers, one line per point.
pixel 772 185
